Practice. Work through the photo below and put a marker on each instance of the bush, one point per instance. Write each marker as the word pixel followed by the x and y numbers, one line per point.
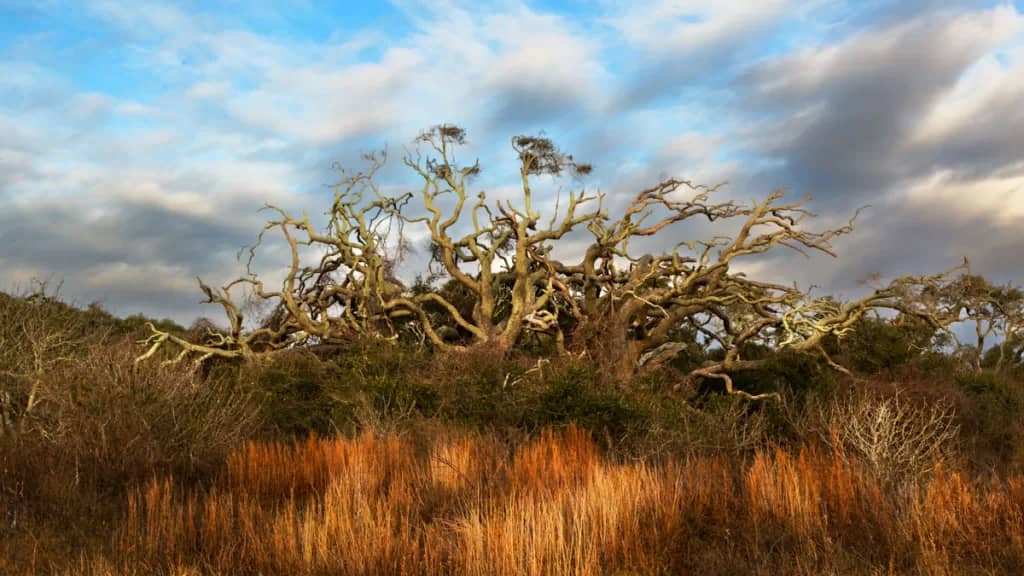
pixel 296 397
pixel 104 423
pixel 992 418
pixel 479 388
pixel 569 396
pixel 147 417
pixel 799 375
pixel 878 344
pixel 713 424
pixel 40 334
pixel 982 383
pixel 897 439
pixel 379 378
pixel 364 384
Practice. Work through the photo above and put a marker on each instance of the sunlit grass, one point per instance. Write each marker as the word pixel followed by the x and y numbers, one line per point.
pixel 468 505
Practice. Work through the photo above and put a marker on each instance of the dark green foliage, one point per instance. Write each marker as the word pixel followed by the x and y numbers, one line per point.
pixel 569 395
pixel 364 384
pixel 296 397
pixel 797 374
pixel 382 373
pixel 992 417
pixel 704 424
pixel 474 388
pixel 985 383
pixel 878 344
pixel 934 365
pixel 690 357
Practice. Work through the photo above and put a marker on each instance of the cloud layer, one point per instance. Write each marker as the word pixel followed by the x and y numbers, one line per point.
pixel 139 139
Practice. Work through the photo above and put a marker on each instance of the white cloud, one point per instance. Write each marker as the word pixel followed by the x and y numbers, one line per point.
pixel 889 50
pixel 132 108
pixel 208 90
pixel 681 27
pixel 322 93
pixel 120 276
pixel 691 146
pixel 317 104
pixel 989 87
pixel 539 52
pixel 998 199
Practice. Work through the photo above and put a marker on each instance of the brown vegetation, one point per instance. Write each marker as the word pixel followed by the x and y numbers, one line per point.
pixel 462 505
pixel 380 458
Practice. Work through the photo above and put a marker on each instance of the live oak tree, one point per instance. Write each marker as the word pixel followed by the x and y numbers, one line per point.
pixel 996 312
pixel 504 281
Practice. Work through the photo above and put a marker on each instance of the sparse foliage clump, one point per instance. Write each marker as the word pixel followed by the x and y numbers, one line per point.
pixel 899 439
pixel 39 335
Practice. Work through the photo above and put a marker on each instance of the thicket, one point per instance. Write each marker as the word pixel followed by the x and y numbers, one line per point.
pixel 105 427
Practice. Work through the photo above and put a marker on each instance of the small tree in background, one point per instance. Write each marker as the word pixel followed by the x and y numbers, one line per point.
pixel 995 311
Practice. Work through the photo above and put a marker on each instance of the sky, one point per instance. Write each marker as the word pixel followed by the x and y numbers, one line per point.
pixel 139 139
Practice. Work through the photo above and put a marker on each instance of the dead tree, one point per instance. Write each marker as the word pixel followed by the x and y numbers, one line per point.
pixel 643 301
pixel 501 255
pixel 351 291
pixel 38 333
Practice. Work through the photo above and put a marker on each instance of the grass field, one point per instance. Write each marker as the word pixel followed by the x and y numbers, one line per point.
pixel 469 504
pixel 377 459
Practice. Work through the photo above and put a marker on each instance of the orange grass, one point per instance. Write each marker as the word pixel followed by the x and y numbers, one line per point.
pixel 466 505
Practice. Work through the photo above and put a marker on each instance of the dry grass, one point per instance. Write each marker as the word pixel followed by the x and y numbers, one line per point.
pixel 469 505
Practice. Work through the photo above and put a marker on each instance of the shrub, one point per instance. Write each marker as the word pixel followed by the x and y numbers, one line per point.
pixel 898 439
pixel 992 417
pixel 701 425
pixel 105 423
pixel 797 374
pixel 569 395
pixel 479 387
pixel 365 383
pixel 128 416
pixel 295 395
pixel 40 334
pixel 983 383
pixel 380 375
pixel 878 344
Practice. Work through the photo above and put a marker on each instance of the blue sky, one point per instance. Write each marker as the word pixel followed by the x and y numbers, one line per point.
pixel 138 139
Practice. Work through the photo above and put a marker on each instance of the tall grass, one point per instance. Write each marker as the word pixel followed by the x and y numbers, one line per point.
pixel 468 505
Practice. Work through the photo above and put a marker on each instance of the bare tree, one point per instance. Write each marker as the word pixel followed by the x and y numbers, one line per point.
pixel 37 333
pixel 646 300
pixel 352 290
pixel 499 261
pixel 897 439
